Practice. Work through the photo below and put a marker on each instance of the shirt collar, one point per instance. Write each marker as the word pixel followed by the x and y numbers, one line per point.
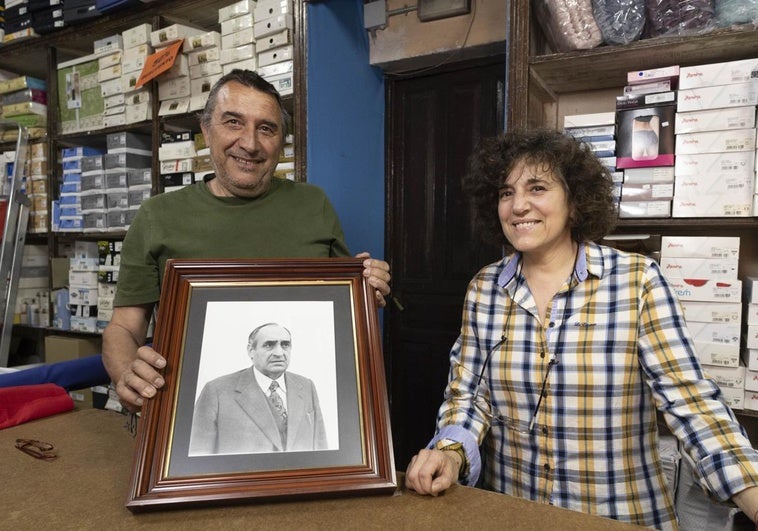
pixel 264 381
pixel 582 269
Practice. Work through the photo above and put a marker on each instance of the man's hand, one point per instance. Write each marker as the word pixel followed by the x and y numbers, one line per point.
pixel 141 380
pixel 432 471
pixel 378 274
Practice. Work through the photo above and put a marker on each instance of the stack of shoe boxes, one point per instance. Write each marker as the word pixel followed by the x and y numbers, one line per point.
pixel 33 293
pixel 174 87
pixel 238 44
pixel 598 131
pixel 137 48
pixel 109 259
pixel 703 272
pixel 47 15
pixel 716 140
pixel 37 188
pixel 82 287
pixel 177 160
pixel 204 59
pixel 750 351
pixel 81 179
pixel 645 142
pixel 127 166
pixel 275 51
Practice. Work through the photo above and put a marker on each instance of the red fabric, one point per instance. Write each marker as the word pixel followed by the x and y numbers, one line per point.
pixel 23 403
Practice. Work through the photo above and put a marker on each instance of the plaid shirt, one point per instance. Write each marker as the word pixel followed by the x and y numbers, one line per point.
pixel 618 335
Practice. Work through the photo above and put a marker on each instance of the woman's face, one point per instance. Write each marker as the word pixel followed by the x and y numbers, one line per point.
pixel 534 209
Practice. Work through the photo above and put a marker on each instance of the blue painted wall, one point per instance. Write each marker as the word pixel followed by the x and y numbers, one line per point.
pixel 345 103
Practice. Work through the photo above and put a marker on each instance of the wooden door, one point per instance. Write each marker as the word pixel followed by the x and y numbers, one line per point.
pixel 434 123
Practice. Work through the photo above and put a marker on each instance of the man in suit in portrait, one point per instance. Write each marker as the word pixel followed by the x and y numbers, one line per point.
pixel 260 409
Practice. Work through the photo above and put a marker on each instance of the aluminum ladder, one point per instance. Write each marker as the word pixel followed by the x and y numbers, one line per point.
pixel 13 237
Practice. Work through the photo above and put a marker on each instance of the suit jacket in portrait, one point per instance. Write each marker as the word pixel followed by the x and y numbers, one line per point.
pixel 232 416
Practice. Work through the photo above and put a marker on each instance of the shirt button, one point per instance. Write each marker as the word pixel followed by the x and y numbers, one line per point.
pixel 547 467
pixel 544 430
pixel 552 324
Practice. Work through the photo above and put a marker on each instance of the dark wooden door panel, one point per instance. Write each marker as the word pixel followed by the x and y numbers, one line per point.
pixel 433 125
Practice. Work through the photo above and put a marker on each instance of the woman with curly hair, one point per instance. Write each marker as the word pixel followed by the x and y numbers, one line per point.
pixel 567 350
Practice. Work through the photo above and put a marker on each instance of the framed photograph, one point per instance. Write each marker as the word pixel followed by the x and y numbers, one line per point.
pixel 275 386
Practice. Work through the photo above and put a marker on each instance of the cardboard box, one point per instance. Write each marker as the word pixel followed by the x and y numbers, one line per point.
pixel 272 25
pixel 751 314
pixel 722 96
pixel 714 269
pixel 750 359
pixel 717 354
pixel 692 205
pixel 651 174
pixel 722 333
pixel 276 55
pixel 725 73
pixel 647 191
pixel 645 209
pixel 741 163
pixel 712 312
pixel 653 74
pixel 751 337
pixel 66 348
pixel 734 398
pixel 727 377
pixel 751 380
pixel 750 290
pixel 706 290
pixel 243 7
pixel 700 246
pixel 238 38
pixel 729 141
pixel 715 120
pixel 236 24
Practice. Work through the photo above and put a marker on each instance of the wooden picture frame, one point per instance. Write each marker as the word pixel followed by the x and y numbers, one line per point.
pixel 207 311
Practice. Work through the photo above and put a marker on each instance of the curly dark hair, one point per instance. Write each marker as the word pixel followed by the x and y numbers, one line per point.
pixel 587 181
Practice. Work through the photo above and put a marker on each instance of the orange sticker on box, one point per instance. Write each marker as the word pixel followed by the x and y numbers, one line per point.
pixel 159 62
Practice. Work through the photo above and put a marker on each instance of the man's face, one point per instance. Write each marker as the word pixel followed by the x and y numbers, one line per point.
pixel 270 351
pixel 245 137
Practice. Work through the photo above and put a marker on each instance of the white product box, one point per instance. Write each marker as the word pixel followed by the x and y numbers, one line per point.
pixel 606 132
pixel 712 312
pixel 202 41
pixel 205 69
pixel 751 314
pixel 284 84
pixel 271 8
pixel 725 204
pixel 750 359
pixel 714 120
pixel 161 37
pixel 142 95
pixel 108 44
pixel 739 163
pixel 237 24
pixel 243 7
pixel 700 246
pixel 128 81
pixel 276 55
pixel 177 166
pixel 750 290
pixel 112 72
pixel 717 73
pixel 137 35
pixel 722 333
pixel 82 296
pixel 651 174
pixel 727 377
pixel 276 69
pixel 180 68
pixel 272 25
pixel 713 269
pixel 82 279
pixel 589 120
pixel 734 398
pixel 653 74
pixel 174 88
pixel 645 209
pixel 238 38
pixel 177 150
pixel 239 53
pixel 706 290
pixel 728 141
pixel 117 100
pixel 106 61
pixel 276 40
pixel 698 99
pixel 134 58
pixel 204 56
pixel 751 379
pixel 204 85
pixel 717 354
pixel 751 337
pixel 110 88
pixel 174 106
pixel 646 191
pixel 138 112
pixel 197 101
pixel 248 64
